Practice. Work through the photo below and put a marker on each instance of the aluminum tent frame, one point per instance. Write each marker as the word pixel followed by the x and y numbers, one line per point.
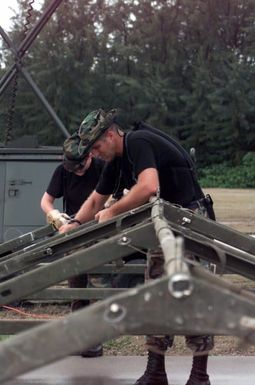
pixel 187 300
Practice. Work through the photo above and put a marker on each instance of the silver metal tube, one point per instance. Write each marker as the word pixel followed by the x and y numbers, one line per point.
pixel 180 283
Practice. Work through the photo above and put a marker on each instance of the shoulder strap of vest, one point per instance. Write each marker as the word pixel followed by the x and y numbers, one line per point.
pixel 126 145
pixel 156 131
pixel 64 188
pixel 189 162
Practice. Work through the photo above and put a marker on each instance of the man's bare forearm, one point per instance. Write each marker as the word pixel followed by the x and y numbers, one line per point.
pixel 87 211
pixel 90 207
pixel 139 194
pixel 47 202
pixel 136 197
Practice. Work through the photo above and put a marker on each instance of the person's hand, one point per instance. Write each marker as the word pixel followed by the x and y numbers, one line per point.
pixel 67 227
pixel 104 215
pixel 57 219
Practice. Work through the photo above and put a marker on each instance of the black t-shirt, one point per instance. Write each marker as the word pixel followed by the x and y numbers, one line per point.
pixel 145 149
pixel 73 188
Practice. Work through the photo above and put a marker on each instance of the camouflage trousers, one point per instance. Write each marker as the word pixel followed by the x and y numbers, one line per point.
pixel 80 282
pixel 99 281
pixel 159 344
pixel 92 281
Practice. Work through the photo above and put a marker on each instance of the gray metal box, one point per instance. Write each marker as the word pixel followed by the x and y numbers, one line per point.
pixel 24 177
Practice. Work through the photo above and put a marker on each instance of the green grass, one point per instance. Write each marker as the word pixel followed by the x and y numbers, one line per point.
pixel 2 338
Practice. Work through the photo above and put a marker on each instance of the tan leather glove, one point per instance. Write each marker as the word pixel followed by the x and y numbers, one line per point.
pixel 57 219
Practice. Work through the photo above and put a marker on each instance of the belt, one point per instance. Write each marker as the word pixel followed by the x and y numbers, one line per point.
pixel 203 202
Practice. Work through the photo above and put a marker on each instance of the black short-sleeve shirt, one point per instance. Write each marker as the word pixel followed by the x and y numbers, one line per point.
pixel 73 188
pixel 144 149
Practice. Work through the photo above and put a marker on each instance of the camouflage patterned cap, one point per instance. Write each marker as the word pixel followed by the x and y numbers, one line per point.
pixel 74 152
pixel 94 125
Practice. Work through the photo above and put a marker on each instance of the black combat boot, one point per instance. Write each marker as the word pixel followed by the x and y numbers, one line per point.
pixel 95 351
pixel 195 382
pixel 198 375
pixel 155 373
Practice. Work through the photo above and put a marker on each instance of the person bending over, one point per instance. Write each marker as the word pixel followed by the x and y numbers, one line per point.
pixel 150 162
pixel 73 181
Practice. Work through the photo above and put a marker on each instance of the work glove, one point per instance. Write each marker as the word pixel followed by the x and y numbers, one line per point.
pixel 57 219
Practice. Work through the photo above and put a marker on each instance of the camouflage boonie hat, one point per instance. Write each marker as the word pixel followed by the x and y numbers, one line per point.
pixel 94 125
pixel 74 152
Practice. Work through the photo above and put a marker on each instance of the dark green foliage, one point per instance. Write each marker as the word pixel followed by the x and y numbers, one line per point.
pixel 226 176
pixel 185 66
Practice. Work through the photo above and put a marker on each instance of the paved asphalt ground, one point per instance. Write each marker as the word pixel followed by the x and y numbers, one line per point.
pixel 223 370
